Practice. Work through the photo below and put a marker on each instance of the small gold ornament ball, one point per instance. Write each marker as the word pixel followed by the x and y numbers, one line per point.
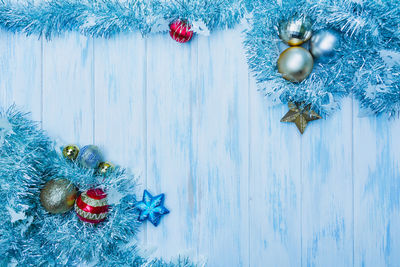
pixel 71 152
pixel 105 168
pixel 296 30
pixel 58 196
pixel 295 64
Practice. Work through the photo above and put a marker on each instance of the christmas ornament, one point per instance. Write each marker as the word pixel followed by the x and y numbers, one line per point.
pixel 180 31
pixel 105 168
pixel 91 206
pixel 296 30
pixel 31 237
pixel 151 208
pixel 323 44
pixel 71 152
pixel 58 196
pixel 90 157
pixel 300 115
pixel 295 64
pixel 327 84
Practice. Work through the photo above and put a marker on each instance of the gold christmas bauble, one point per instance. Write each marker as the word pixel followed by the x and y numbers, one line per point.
pixel 296 30
pixel 105 168
pixel 71 152
pixel 295 64
pixel 58 196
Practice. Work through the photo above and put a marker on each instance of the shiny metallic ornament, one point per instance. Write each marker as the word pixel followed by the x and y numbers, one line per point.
pixel 151 208
pixel 324 43
pixel 105 168
pixel 295 31
pixel 180 31
pixel 91 206
pixel 58 196
pixel 90 157
pixel 301 115
pixel 71 152
pixel 295 64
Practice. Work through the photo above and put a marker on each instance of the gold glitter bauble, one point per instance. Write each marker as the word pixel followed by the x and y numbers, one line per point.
pixel 295 64
pixel 71 152
pixel 105 168
pixel 295 31
pixel 58 196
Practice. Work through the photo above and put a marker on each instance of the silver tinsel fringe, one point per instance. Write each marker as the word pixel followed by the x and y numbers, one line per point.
pixel 368 63
pixel 105 18
pixel 30 236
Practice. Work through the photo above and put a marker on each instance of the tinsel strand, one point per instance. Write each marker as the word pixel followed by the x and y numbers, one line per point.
pixel 30 236
pixel 106 18
pixel 368 63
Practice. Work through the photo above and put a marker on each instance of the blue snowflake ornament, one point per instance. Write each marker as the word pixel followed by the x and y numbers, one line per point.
pixel 151 208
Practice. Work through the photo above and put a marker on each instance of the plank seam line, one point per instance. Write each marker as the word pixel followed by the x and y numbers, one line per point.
pixel 195 185
pixel 146 149
pixel 249 123
pixel 93 93
pixel 352 173
pixel 41 81
pixel 301 202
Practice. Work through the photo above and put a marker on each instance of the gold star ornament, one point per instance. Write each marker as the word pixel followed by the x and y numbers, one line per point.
pixel 300 115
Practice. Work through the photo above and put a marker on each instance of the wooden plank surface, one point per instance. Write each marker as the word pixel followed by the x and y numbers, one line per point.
pixel 68 90
pixel 120 105
pixel 243 188
pixel 171 74
pixel 376 191
pixel 220 149
pixel 275 185
pixel 21 70
pixel 120 101
pixel 327 190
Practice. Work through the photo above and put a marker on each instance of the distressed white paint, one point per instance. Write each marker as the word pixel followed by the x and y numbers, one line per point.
pixel 20 74
pixel 221 149
pixel 376 191
pixel 327 193
pixel 68 88
pixel 243 188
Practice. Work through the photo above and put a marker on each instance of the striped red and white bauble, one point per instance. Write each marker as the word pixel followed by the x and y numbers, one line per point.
pixel 180 31
pixel 91 206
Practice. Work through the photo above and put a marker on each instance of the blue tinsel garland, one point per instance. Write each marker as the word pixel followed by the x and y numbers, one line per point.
pixel 105 18
pixel 368 63
pixel 30 236
pixel 374 31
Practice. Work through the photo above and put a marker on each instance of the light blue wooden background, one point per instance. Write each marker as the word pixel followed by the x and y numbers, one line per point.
pixel 243 188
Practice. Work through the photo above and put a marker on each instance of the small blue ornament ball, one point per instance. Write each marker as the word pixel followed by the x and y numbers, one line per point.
pixel 90 157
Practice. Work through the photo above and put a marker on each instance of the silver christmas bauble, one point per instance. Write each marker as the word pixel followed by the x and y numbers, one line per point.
pixel 295 64
pixel 295 31
pixel 90 157
pixel 324 43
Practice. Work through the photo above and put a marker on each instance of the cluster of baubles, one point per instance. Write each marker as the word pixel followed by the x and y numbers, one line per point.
pixel 180 31
pixel 60 195
pixel 89 157
pixel 296 62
